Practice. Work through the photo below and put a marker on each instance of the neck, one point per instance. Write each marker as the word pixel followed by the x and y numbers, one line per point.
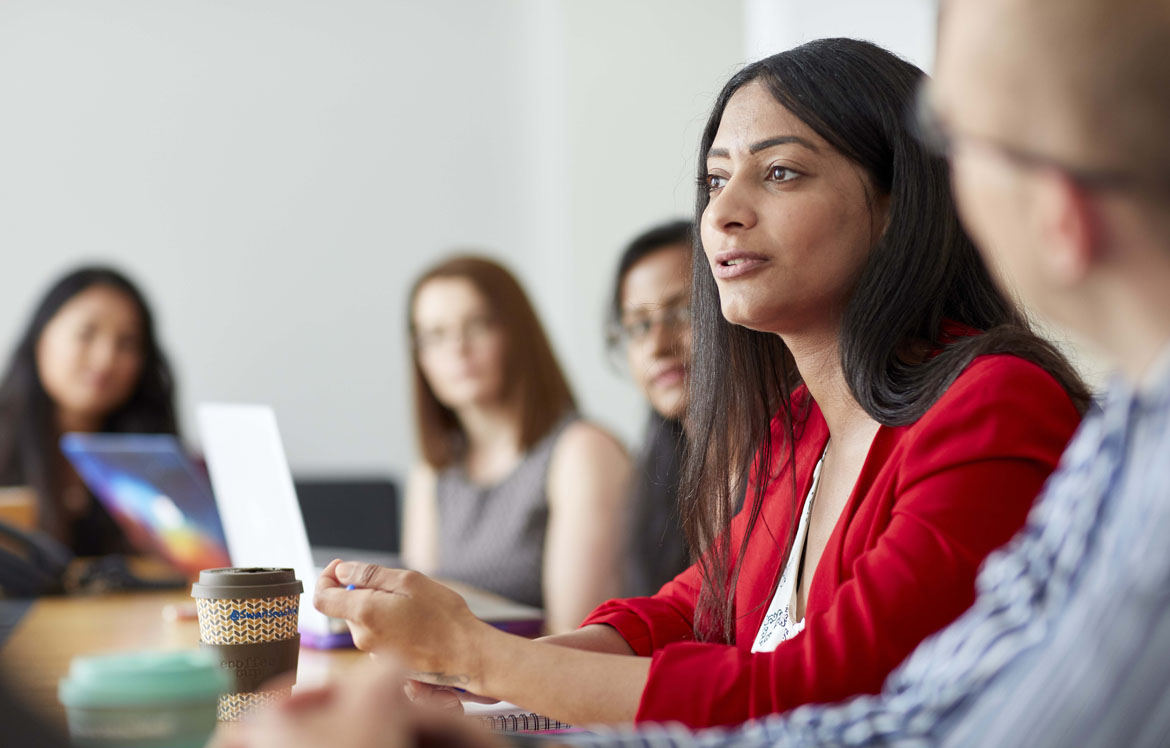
pixel 1126 314
pixel 1140 338
pixel 818 359
pixel 73 421
pixel 489 427
pixel 1142 350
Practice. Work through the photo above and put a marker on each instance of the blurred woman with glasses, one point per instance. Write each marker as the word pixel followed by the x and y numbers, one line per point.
pixel 649 333
pixel 515 493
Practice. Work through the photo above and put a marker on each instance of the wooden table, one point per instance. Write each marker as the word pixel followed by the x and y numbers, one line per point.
pixel 57 629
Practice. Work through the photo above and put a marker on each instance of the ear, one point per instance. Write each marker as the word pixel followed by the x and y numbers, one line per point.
pixel 1069 228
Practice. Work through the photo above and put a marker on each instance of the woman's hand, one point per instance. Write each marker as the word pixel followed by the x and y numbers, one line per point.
pixel 442 698
pixel 427 626
pixel 429 629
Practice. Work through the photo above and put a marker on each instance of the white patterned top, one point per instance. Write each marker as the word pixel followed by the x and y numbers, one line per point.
pixel 778 625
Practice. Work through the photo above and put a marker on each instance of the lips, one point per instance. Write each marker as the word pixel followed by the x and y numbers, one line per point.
pixel 99 382
pixel 669 376
pixel 736 263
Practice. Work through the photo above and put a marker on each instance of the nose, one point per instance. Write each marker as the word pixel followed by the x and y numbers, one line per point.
pixel 463 342
pixel 102 354
pixel 731 209
pixel 662 338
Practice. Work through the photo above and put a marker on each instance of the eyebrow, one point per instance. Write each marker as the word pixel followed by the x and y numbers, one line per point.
pixel 661 304
pixel 763 145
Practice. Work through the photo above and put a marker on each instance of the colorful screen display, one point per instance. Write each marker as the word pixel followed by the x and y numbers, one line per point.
pixel 160 499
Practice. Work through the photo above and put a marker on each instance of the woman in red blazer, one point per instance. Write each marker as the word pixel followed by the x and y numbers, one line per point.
pixel 932 500
pixel 844 328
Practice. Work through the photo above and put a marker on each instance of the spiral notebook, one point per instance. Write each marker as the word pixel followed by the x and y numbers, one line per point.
pixel 505 717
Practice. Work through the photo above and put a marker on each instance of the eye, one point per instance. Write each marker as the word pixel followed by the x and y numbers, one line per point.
pixel 678 314
pixel 477 327
pixel 781 174
pixel 87 333
pixel 129 344
pixel 637 329
pixel 713 182
pixel 430 338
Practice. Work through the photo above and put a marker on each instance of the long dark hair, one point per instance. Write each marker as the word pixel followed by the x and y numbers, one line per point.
pixel 28 430
pixel 897 350
pixel 537 390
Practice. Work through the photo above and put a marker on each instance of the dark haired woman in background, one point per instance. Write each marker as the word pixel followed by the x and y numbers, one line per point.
pixel 88 361
pixel 516 493
pixel 851 353
pixel 649 328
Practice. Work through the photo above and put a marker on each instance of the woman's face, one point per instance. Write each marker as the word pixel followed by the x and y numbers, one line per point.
pixel 789 223
pixel 655 297
pixel 90 354
pixel 460 346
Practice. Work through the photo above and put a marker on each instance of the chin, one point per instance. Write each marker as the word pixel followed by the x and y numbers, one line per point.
pixel 738 315
pixel 471 395
pixel 738 308
pixel 670 406
pixel 458 400
pixel 93 408
pixel 760 312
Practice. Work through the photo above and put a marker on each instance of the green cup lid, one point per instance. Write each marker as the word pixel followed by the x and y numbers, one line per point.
pixel 142 679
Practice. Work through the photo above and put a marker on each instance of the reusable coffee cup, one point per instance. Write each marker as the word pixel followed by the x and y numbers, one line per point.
pixel 142 699
pixel 248 621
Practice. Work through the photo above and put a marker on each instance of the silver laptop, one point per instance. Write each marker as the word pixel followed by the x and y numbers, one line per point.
pixel 257 503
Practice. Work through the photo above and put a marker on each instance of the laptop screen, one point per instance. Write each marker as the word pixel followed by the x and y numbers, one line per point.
pixel 157 496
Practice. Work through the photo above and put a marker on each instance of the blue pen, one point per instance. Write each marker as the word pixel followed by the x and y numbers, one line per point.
pixel 350 587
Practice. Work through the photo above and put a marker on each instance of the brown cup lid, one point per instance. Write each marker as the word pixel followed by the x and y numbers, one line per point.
pixel 241 583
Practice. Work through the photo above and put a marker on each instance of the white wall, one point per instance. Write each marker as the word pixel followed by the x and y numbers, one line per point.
pixel 906 27
pixel 275 172
pixel 640 79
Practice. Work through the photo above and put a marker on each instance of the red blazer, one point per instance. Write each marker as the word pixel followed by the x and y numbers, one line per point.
pixel 932 500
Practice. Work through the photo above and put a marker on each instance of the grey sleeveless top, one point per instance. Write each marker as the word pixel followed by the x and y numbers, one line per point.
pixel 492 537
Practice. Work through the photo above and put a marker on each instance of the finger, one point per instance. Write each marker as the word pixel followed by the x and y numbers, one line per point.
pixel 434 697
pixel 477 699
pixel 416 690
pixel 328 577
pixel 442 699
pixel 370 576
pixel 338 602
pixel 330 570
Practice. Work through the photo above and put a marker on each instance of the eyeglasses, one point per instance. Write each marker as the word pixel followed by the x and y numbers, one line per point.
pixel 636 330
pixel 940 138
pixel 472 331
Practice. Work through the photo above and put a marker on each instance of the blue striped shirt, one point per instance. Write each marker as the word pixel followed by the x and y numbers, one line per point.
pixel 1068 642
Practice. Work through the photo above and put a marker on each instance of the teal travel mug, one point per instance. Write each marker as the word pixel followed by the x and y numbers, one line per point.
pixel 142 699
